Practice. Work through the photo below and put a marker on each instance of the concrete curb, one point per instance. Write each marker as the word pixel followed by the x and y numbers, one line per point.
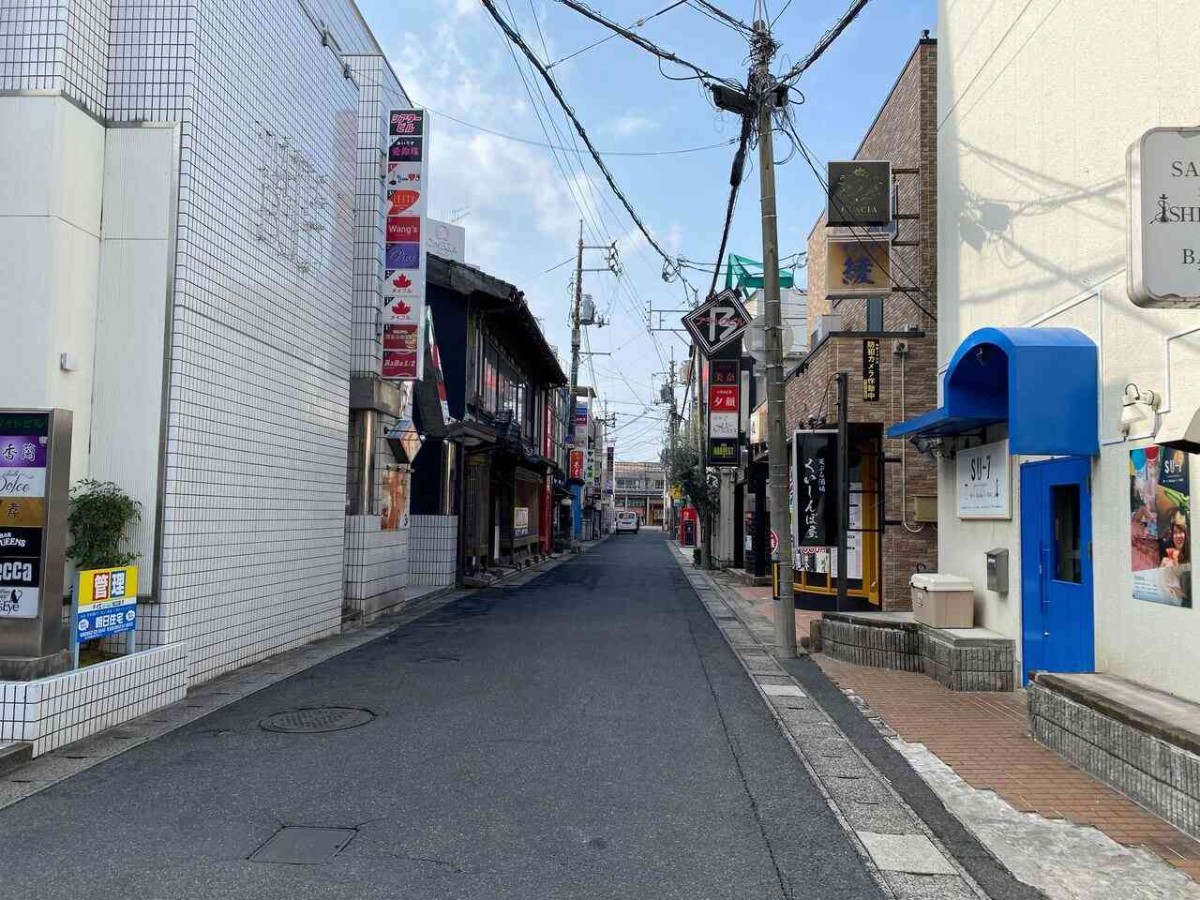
pixel 907 858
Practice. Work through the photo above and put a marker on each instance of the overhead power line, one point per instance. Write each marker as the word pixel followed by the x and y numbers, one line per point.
pixel 716 12
pixel 532 143
pixel 519 42
pixel 646 45
pixel 735 183
pixel 826 39
pixel 638 24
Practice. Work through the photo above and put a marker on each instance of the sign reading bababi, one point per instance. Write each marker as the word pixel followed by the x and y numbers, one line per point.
pixel 404 253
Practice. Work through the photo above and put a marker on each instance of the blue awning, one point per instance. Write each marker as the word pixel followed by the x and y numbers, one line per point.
pixel 1042 381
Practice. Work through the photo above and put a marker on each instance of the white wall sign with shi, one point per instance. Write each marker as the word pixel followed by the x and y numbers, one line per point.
pixel 1163 168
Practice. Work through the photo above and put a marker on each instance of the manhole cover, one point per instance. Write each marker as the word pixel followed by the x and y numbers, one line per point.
pixel 438 658
pixel 301 846
pixel 317 720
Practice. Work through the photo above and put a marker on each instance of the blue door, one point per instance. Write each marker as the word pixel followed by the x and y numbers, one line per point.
pixel 1058 619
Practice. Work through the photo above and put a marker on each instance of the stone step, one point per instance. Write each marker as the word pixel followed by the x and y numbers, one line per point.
pixel 13 756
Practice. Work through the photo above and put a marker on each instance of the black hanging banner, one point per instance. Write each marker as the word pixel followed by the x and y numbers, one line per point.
pixel 870 368
pixel 815 488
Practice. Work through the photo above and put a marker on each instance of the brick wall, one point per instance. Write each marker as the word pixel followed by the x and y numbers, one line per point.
pixel 905 133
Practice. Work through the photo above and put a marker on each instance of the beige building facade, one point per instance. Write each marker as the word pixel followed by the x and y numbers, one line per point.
pixel 1038 106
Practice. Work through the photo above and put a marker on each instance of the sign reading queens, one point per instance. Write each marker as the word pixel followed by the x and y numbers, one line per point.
pixel 1164 226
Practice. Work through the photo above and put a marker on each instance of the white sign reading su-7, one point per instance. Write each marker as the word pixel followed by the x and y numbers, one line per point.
pixel 984 480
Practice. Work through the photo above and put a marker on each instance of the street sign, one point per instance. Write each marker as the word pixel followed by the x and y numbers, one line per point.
pixel 774 542
pixel 717 322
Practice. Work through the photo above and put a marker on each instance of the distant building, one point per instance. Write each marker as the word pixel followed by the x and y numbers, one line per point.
pixel 640 486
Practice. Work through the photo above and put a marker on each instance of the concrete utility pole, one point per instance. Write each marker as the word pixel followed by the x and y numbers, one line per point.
pixel 575 335
pixel 762 89
pixel 705 523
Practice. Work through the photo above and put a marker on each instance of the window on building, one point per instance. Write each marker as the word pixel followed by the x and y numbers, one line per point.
pixel 875 314
pixel 490 379
pixel 1068 560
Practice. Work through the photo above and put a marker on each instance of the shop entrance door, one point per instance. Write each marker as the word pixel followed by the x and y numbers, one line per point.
pixel 1058 628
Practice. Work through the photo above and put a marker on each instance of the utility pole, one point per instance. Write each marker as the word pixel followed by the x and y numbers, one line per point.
pixel 576 512
pixel 702 439
pixel 612 264
pixel 575 335
pixel 763 91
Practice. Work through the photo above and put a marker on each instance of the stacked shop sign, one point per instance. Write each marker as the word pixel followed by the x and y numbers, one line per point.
pixel 23 451
pixel 404 263
pixel 724 412
pixel 35 465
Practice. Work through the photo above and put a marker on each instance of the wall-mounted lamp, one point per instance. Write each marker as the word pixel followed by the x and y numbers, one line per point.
pixel 1139 413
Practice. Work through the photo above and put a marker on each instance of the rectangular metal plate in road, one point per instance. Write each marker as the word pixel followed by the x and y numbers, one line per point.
pixel 301 846
pixel 906 853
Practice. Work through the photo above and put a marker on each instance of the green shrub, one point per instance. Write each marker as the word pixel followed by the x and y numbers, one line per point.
pixel 100 513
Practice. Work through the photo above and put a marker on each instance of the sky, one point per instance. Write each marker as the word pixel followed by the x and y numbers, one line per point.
pixel 521 203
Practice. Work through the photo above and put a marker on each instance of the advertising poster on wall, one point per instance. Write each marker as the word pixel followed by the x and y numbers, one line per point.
pixel 404 253
pixel 1160 525
pixel 393 511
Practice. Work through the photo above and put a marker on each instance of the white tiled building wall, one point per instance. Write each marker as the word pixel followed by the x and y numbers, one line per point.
pixel 52 712
pixel 377 564
pixel 269 264
pixel 433 550
pixel 253 518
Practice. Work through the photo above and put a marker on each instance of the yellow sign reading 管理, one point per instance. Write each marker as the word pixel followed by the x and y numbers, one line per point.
pixel 107 587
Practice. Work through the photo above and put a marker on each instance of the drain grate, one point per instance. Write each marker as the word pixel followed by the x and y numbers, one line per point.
pixel 317 720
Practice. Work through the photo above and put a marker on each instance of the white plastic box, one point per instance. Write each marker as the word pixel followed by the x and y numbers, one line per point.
pixel 943 601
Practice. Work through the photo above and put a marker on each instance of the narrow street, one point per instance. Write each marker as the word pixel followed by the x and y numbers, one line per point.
pixel 586 735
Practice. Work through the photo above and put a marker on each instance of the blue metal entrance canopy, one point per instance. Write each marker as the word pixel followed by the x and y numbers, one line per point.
pixel 1042 381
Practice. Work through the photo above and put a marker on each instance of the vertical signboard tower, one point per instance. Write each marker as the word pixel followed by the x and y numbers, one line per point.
pixel 404 250
pixel 35 472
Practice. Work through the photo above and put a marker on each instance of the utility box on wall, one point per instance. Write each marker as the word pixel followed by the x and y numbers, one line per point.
pixel 997 570
pixel 925 509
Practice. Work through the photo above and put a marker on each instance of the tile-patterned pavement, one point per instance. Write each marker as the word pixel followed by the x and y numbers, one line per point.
pixel 985 738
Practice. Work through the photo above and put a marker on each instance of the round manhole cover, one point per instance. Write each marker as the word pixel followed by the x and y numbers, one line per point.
pixel 317 720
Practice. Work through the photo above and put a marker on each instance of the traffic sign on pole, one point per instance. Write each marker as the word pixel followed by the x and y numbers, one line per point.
pixel 717 322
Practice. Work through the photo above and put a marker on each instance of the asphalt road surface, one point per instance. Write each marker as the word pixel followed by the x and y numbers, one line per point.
pixel 586 735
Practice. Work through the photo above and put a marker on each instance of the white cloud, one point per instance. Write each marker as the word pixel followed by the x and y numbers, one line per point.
pixel 632 124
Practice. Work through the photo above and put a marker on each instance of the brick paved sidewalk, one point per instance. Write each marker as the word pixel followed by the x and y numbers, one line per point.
pixel 985 738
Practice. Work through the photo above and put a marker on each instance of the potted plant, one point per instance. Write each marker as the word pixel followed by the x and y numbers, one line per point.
pixel 99 514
